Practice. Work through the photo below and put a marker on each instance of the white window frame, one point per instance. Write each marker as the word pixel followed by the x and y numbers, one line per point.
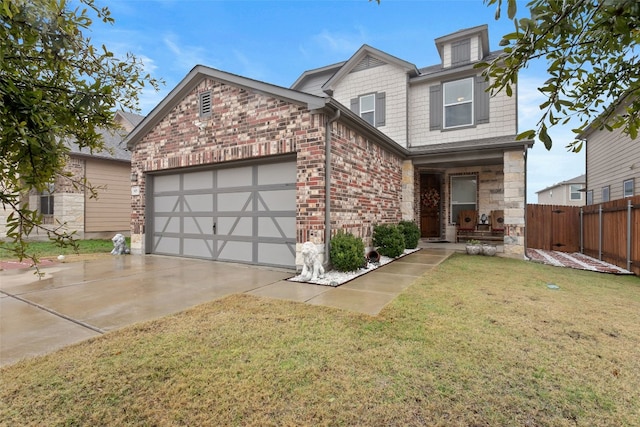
pixel 466 204
pixel 629 193
pixel 575 189
pixel 589 197
pixel 606 190
pixel 460 102
pixel 372 110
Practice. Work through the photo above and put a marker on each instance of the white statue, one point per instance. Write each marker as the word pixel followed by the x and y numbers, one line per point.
pixel 119 245
pixel 312 268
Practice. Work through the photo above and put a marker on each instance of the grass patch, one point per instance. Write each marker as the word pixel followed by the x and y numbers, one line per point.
pixel 478 341
pixel 49 249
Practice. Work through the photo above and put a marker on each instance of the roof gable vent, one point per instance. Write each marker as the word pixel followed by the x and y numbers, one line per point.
pixel 205 103
pixel 368 62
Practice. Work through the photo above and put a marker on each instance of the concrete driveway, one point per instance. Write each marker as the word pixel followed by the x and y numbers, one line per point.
pixel 79 300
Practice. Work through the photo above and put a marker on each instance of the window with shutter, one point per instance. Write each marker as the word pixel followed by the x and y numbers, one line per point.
pixel 458 103
pixel 370 107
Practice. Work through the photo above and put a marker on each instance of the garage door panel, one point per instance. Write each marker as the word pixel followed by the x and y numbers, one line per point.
pixel 235 177
pixel 241 214
pixel 197 180
pixel 198 202
pixel 234 226
pixel 277 173
pixel 166 203
pixel 277 227
pixel 270 253
pixel 234 202
pixel 164 183
pixel 277 200
pixel 167 224
pixel 167 245
pixel 198 225
pixel 200 248
pixel 235 251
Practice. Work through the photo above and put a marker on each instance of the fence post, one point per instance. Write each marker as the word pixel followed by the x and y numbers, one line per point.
pixel 581 231
pixel 629 234
pixel 600 232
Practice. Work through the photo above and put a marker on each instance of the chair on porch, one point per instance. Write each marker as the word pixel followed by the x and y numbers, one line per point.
pixel 467 221
pixel 497 221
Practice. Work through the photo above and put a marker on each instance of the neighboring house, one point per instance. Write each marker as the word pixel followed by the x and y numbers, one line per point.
pixel 566 193
pixel 233 169
pixel 612 164
pixel 72 207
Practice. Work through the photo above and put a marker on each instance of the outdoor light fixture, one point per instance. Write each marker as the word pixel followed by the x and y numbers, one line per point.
pixel 134 177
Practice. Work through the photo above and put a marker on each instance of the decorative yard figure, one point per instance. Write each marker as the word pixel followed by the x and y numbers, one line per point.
pixel 311 268
pixel 119 245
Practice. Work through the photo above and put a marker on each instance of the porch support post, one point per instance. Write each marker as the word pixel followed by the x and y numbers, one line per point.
pixel 407 205
pixel 514 202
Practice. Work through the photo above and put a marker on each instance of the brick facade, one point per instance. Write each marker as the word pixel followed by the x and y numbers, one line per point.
pixel 250 125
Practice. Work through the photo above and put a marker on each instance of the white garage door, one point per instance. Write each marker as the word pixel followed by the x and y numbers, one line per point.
pixel 241 214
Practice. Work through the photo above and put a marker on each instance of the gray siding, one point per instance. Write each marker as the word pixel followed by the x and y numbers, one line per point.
pixel 612 158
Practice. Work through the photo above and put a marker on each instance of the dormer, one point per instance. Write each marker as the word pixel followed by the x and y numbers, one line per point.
pixel 464 46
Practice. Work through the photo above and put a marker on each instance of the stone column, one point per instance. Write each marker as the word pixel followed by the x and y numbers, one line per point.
pixel 514 203
pixel 408 191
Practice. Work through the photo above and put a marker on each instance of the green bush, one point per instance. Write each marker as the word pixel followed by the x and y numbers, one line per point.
pixel 411 233
pixel 389 240
pixel 346 252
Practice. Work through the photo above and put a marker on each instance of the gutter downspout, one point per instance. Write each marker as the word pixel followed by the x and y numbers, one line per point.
pixel 327 185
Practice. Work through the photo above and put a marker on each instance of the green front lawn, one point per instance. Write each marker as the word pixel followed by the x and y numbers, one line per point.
pixel 477 342
pixel 50 249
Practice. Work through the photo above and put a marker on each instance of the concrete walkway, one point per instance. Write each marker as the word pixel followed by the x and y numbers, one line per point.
pixel 80 300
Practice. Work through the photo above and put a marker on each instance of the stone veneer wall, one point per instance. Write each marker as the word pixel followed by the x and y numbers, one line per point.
pixel 249 125
pixel 514 203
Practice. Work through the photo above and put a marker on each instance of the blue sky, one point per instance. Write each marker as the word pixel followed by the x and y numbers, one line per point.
pixel 275 41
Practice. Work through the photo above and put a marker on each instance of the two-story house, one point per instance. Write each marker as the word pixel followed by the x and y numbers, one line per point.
pixel 570 192
pixel 235 169
pixel 612 164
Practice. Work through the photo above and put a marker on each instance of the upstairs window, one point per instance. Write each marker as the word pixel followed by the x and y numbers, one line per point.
pixel 368 108
pixel 605 194
pixel 590 197
pixel 458 103
pixel 576 194
pixel 371 107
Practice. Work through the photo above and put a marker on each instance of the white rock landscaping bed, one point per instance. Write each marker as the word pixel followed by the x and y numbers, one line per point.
pixel 336 278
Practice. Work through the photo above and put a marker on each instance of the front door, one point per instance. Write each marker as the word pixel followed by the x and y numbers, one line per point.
pixel 430 205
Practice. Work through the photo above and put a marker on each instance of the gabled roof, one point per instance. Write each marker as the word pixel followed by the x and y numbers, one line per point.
pixel 200 72
pixel 311 81
pixel 482 30
pixel 581 179
pixel 113 139
pixel 360 55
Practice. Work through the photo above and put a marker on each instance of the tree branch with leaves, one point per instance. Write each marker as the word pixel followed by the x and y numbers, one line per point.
pixel 592 58
pixel 55 86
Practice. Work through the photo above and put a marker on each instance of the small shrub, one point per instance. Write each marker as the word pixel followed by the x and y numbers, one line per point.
pixel 389 240
pixel 346 252
pixel 411 233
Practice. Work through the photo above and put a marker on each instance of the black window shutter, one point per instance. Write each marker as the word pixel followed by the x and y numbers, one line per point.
pixel 482 98
pixel 435 107
pixel 380 108
pixel 355 105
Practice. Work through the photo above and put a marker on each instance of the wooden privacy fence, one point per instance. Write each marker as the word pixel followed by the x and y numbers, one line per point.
pixel 608 231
